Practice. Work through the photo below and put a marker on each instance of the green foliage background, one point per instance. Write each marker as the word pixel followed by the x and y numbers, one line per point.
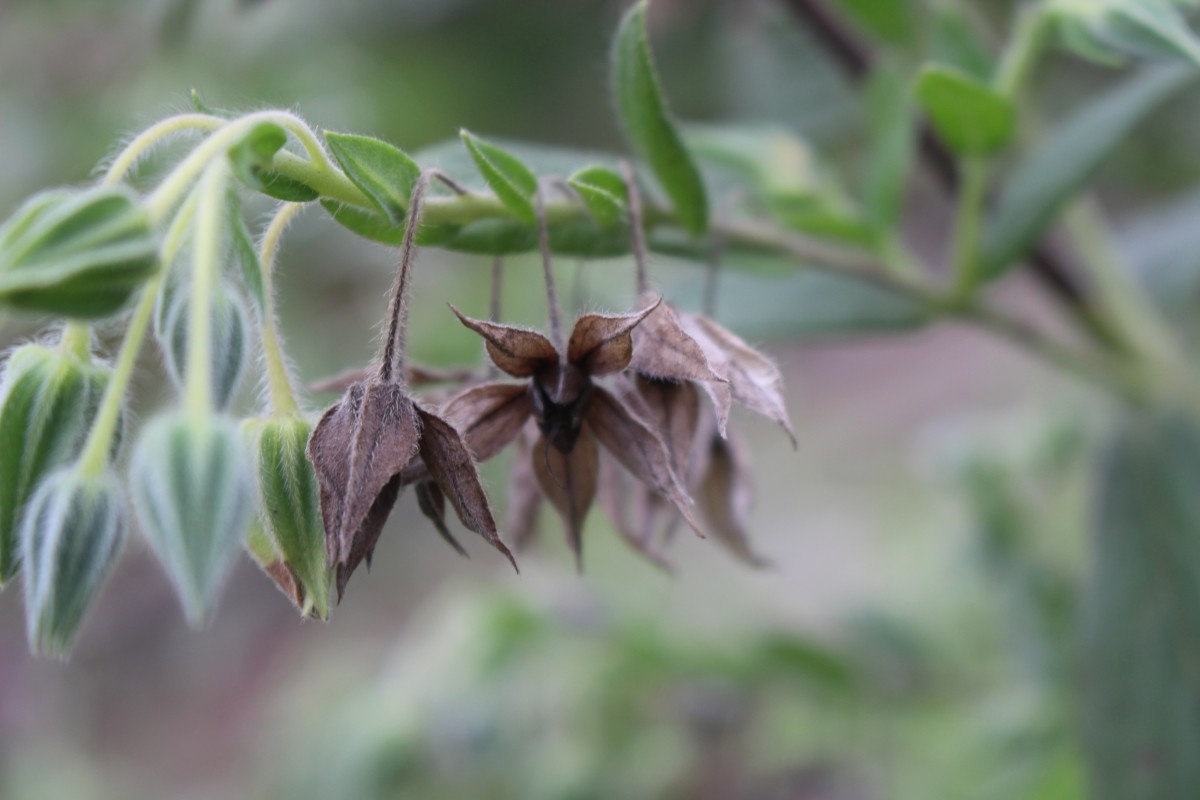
pixel 918 636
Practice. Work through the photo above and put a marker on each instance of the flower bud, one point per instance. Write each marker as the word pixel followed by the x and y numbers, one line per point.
pixel 227 347
pixel 290 510
pixel 191 489
pixel 70 537
pixel 76 253
pixel 49 399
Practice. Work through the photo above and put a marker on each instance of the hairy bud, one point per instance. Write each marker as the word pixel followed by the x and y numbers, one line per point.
pixel 227 348
pixel 191 488
pixel 76 253
pixel 71 537
pixel 50 398
pixel 290 512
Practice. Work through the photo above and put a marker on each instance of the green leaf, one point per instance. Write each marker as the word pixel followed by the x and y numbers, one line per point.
pixel 603 192
pixel 1108 31
pixel 76 253
pixel 385 173
pixel 956 44
pixel 972 118
pixel 892 22
pixel 253 160
pixel 1045 182
pixel 890 122
pixel 648 124
pixel 512 181
pixel 1141 615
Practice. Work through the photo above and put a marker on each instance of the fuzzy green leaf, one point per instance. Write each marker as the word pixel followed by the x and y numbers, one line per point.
pixel 603 192
pixel 647 121
pixel 385 173
pixel 253 161
pixel 1045 182
pixel 76 253
pixel 512 181
pixel 969 115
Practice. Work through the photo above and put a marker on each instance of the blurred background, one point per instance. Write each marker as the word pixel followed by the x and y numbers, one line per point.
pixel 912 638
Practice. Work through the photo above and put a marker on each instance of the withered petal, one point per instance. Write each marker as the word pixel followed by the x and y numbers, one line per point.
pixel 521 352
pixel 286 580
pixel 361 443
pixel 725 496
pixel 601 344
pixel 432 503
pixel 754 379
pixel 568 481
pixel 524 494
pixel 489 416
pixel 619 495
pixel 673 409
pixel 452 468
pixel 363 544
pixel 639 449
pixel 662 348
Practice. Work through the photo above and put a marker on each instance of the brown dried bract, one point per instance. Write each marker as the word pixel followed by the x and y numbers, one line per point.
pixel 572 414
pixel 368 442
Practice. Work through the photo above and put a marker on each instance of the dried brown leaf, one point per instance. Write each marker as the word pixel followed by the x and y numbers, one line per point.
pixel 521 352
pixel 432 502
pixel 639 448
pixel 568 481
pixel 754 379
pixel 673 409
pixel 489 416
pixel 601 344
pixel 662 348
pixel 725 495
pixel 357 449
pixel 524 494
pixel 452 468
pixel 625 500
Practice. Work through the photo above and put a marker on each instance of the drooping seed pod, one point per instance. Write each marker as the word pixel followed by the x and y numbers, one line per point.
pixel 70 537
pixel 290 509
pixel 191 487
pixel 76 253
pixel 228 346
pixel 49 400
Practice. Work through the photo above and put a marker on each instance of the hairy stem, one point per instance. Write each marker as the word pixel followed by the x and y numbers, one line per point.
pixel 206 265
pixel 77 340
pixel 637 231
pixel 279 383
pixel 150 138
pixel 392 360
pixel 556 334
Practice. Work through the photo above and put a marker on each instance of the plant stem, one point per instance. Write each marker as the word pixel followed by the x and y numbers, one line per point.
pixel 393 358
pixel 206 244
pixel 968 222
pixel 1025 46
pixel 94 457
pixel 556 334
pixel 176 184
pixel 77 340
pixel 637 231
pixel 145 141
pixel 283 398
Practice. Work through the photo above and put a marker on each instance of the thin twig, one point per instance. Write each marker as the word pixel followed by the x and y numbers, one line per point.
pixel 392 359
pixel 637 231
pixel 553 310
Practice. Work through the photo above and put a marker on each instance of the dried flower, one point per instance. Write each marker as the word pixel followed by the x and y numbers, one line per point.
pixel 366 440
